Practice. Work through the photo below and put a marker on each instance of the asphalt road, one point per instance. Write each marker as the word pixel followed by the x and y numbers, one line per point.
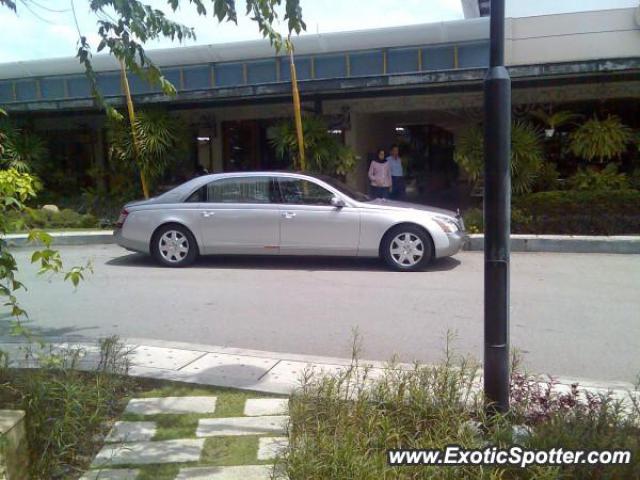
pixel 572 314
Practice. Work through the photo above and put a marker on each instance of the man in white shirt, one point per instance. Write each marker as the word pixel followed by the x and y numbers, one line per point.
pixel 398 186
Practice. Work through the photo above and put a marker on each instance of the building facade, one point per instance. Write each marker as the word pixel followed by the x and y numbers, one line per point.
pixel 416 85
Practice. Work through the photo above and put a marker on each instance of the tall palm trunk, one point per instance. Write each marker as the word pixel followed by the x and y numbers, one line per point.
pixel 134 137
pixel 296 107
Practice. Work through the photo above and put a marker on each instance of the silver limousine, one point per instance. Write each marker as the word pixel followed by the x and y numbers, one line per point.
pixel 269 213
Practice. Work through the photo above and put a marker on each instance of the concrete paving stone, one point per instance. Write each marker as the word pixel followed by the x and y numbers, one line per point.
pixel 111 474
pixel 244 472
pixel 131 432
pixel 162 405
pixel 270 447
pixel 143 453
pixel 232 426
pixel 291 373
pixel 256 407
pixel 229 370
pixel 166 358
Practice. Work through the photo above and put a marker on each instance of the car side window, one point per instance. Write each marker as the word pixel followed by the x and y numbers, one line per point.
pixel 298 191
pixel 241 190
pixel 198 196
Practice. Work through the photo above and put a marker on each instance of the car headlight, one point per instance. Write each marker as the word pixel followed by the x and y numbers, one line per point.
pixel 449 225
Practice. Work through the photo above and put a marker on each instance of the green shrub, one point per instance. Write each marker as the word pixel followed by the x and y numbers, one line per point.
pixel 474 220
pixel 634 179
pixel 600 139
pixel 65 407
pixel 601 212
pixel 570 212
pixel 547 178
pixel 342 425
pixel 527 155
pixel 37 218
pixel 606 179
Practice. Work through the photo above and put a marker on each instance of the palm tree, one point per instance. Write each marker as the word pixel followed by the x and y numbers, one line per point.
pixel 20 149
pixel 527 154
pixel 158 138
pixel 323 151
pixel 601 139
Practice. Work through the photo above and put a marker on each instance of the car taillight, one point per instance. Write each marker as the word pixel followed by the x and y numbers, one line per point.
pixel 123 216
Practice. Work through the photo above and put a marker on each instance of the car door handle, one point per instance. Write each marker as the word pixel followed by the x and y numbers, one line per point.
pixel 288 214
pixel 208 214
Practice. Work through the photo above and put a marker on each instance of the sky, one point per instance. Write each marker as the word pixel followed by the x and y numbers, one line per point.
pixel 48 30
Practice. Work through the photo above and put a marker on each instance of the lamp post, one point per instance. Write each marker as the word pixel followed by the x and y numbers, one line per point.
pixel 497 213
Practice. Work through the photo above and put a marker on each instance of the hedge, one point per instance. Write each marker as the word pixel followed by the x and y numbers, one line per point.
pixel 615 212
pixel 46 219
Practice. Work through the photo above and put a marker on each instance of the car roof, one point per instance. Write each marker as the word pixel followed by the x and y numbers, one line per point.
pixel 182 191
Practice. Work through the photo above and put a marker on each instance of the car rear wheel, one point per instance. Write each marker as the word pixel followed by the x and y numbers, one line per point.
pixel 174 246
pixel 407 248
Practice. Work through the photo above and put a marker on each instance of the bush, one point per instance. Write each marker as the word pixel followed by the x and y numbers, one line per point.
pixel 606 179
pixel 474 220
pixel 571 212
pixel 31 218
pixel 527 155
pixel 342 425
pixel 65 408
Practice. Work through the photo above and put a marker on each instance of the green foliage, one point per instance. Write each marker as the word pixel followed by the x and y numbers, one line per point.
pixel 606 179
pixel 572 212
pixel 21 150
pixel 30 218
pixel 634 179
pixel 342 425
pixel 160 138
pixel 474 220
pixel 547 178
pixel 527 155
pixel 65 408
pixel 16 188
pixel 600 140
pixel 555 120
pixel 324 153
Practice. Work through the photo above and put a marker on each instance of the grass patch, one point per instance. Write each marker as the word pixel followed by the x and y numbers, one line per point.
pixel 223 451
pixel 158 472
pixel 229 403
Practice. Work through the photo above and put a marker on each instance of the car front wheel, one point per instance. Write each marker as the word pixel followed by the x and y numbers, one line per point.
pixel 174 246
pixel 407 248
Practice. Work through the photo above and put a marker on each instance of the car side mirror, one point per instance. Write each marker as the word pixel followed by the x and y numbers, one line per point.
pixel 337 202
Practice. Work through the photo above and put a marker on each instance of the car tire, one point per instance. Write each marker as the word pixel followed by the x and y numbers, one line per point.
pixel 407 248
pixel 174 246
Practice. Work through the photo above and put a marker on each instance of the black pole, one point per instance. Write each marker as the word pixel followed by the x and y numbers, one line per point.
pixel 497 213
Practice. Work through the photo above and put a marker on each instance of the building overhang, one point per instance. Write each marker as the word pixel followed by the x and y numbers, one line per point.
pixel 387 85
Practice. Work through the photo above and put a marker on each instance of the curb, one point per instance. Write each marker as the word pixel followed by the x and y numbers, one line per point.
pixel 623 244
pixel 252 370
pixel 93 237
pixel 627 244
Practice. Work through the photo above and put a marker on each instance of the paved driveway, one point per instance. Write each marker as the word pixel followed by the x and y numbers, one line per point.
pixel 576 315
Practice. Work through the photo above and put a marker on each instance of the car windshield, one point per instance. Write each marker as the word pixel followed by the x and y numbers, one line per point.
pixel 345 189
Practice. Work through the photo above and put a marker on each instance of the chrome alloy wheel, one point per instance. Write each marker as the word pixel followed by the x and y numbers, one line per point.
pixel 406 249
pixel 173 246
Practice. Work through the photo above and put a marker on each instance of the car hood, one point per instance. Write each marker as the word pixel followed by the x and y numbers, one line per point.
pixel 384 204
